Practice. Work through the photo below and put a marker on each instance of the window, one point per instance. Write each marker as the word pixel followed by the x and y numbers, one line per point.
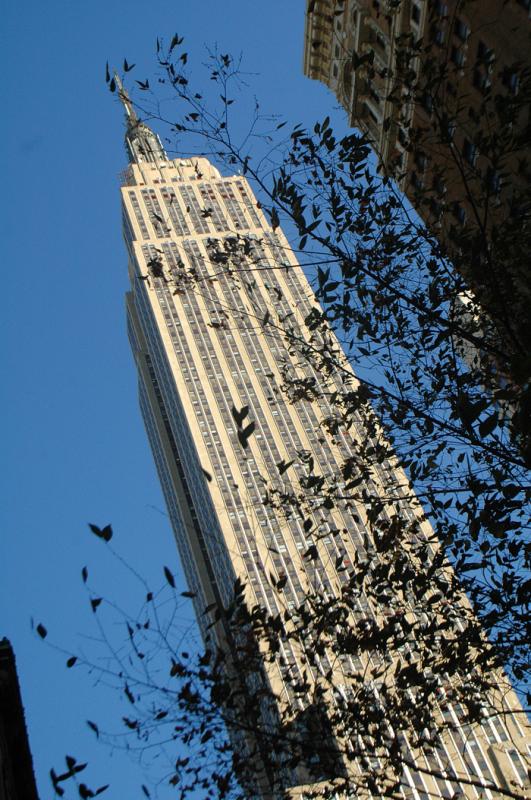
pixel 437 34
pixel 451 88
pixel 469 152
pixel 511 80
pixel 493 181
pixel 461 30
pixel 441 9
pixel 416 181
pixel 415 14
pixel 421 161
pixel 459 213
pixel 448 127
pixel 380 41
pixel 402 137
pixel 484 54
pixel 427 102
pixel 435 208
pixel 481 80
pixel 438 185
pixel 457 56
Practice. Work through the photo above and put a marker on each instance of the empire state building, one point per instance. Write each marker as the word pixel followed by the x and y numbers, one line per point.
pixel 214 289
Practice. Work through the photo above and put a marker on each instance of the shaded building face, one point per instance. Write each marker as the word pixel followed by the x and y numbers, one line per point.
pixel 17 780
pixel 442 91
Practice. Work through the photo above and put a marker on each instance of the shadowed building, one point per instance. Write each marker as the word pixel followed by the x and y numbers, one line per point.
pixel 442 90
pixel 17 781
pixel 481 48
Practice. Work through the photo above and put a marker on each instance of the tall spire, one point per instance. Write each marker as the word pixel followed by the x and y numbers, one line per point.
pixel 141 143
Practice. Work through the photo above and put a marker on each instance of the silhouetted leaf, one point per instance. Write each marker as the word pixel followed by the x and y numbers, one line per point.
pixel 41 630
pixel 169 577
pixel 102 533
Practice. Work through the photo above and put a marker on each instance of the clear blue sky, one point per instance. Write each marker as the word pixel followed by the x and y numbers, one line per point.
pixel 73 444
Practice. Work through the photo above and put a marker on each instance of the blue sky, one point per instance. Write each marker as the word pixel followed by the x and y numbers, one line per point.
pixel 74 448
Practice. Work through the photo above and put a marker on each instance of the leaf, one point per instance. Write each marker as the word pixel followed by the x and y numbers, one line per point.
pixel 146 790
pixel 128 67
pixel 84 574
pixel 112 87
pixel 188 594
pixel 311 553
pixel 174 43
pixel 207 474
pixel 244 434
pixel 107 533
pixel 102 533
pixel 101 789
pixel 95 602
pixel 169 577
pixel 71 661
pixel 41 630
pixel 488 425
pixel 55 782
pixel 94 727
pixel 282 466
pixel 107 73
pixel 275 222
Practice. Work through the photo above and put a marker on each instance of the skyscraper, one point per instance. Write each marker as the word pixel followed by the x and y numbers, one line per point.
pixel 214 291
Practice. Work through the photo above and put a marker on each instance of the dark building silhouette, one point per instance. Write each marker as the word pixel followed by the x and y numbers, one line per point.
pixel 17 780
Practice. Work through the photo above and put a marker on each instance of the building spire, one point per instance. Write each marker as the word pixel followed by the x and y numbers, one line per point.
pixel 141 143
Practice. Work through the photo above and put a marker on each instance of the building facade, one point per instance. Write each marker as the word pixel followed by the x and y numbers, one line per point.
pixel 443 92
pixel 17 779
pixel 475 50
pixel 214 289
